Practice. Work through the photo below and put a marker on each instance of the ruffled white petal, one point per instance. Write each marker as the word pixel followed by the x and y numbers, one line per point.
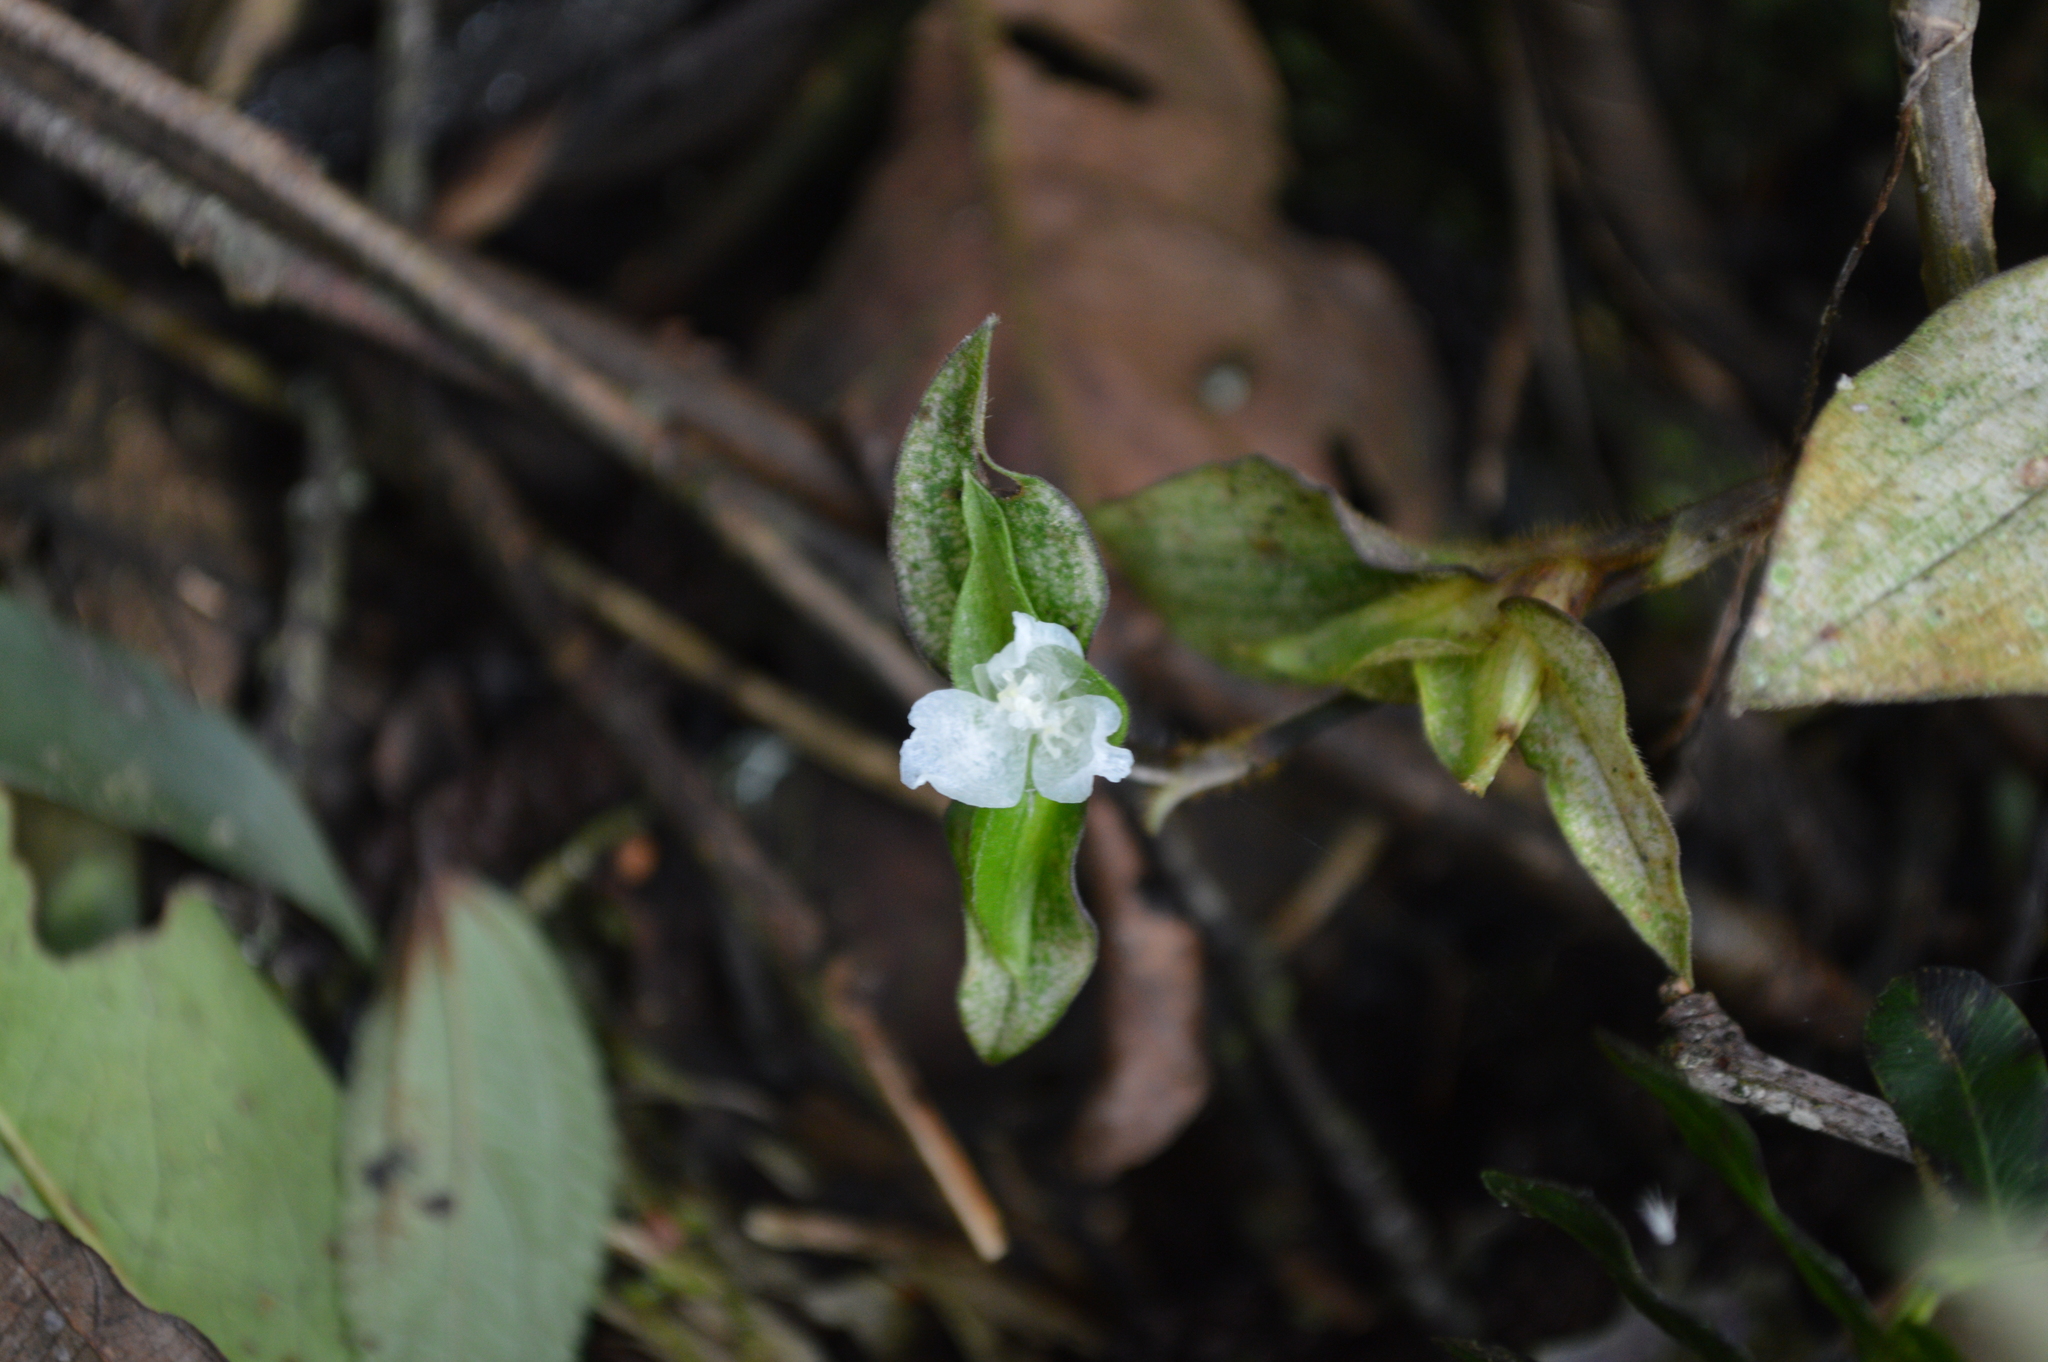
pixel 966 747
pixel 1031 635
pixel 1074 749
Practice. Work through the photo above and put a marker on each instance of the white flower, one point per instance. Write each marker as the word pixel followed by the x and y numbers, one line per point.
pixel 1020 727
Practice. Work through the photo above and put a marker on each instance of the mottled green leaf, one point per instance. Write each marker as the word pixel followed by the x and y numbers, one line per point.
pixel 1030 944
pixel 1597 786
pixel 88 725
pixel 174 1107
pixel 1958 1062
pixel 1236 555
pixel 1578 1213
pixel 1053 555
pixel 1908 563
pixel 477 1151
pixel 1725 1143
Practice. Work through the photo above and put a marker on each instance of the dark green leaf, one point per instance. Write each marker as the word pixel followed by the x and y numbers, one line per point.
pixel 477 1147
pixel 1236 555
pixel 167 1108
pixel 1726 1144
pixel 1579 1214
pixel 1597 786
pixel 927 534
pixel 1958 1062
pixel 1030 945
pixel 90 726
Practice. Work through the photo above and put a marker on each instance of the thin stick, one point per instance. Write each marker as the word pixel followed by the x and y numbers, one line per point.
pixel 1935 41
pixel 405 66
pixel 833 743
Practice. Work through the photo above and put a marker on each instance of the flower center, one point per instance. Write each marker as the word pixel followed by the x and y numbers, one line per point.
pixel 1025 700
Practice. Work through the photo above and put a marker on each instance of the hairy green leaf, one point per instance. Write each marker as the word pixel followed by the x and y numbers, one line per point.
pixel 1958 1062
pixel 162 1096
pixel 1236 555
pixel 1578 1213
pixel 1908 561
pixel 477 1151
pixel 1597 786
pixel 1030 944
pixel 88 725
pixel 1724 1141
pixel 1437 617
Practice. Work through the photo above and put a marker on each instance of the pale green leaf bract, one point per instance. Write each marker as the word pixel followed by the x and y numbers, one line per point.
pixel 1909 563
pixel 478 1155
pixel 929 541
pixel 1240 554
pixel 176 1105
pixel 1030 944
pixel 88 725
pixel 1576 1211
pixel 1958 1062
pixel 1599 791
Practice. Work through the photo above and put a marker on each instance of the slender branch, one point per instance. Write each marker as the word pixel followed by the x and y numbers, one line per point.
pixel 405 66
pixel 1957 250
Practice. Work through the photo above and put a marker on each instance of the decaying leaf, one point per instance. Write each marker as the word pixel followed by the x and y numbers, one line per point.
pixel 478 1154
pixel 60 1302
pixel 1908 564
pixel 1122 220
pixel 88 725
pixel 179 1113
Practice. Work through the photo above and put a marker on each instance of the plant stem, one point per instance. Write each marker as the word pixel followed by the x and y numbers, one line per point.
pixel 1957 251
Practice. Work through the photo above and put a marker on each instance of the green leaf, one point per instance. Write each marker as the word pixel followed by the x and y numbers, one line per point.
pixel 477 1150
pixel 1959 1063
pixel 1908 561
pixel 88 874
pixel 1726 1144
pixel 1475 704
pixel 1236 555
pixel 1597 786
pixel 990 591
pixel 161 1095
pixel 927 534
pixel 1030 944
pixel 1054 561
pixel 90 726
pixel 1438 617
pixel 1576 1212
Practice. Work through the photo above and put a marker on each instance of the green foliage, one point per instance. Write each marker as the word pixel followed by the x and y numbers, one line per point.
pixel 1958 1062
pixel 1577 1212
pixel 90 726
pixel 1908 561
pixel 1726 1144
pixel 966 560
pixel 477 1151
pixel 162 1102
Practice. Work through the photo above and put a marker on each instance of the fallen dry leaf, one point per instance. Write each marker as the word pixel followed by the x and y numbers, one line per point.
pixel 60 1302
pixel 1103 173
pixel 1155 1074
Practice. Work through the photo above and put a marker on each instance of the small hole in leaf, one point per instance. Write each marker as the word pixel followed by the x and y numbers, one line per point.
pixel 1059 56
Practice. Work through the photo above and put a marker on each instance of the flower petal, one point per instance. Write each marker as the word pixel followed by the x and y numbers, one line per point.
pixel 1075 748
pixel 1032 634
pixel 964 745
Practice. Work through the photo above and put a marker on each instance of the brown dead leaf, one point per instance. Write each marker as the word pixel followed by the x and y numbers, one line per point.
pixel 60 1302
pixel 1103 172
pixel 1155 1074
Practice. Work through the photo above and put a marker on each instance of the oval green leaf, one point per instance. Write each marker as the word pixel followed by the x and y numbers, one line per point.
pixel 90 726
pixel 1030 944
pixel 478 1155
pixel 1908 563
pixel 166 1102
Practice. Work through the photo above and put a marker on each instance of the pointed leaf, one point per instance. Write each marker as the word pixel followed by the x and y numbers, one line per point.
pixel 1957 1060
pixel 477 1150
pixel 88 725
pixel 1056 555
pixel 158 1091
pixel 1576 1211
pixel 927 535
pixel 1598 788
pixel 1908 561
pixel 60 1301
pixel 1030 945
pixel 1726 1144
pixel 1238 554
